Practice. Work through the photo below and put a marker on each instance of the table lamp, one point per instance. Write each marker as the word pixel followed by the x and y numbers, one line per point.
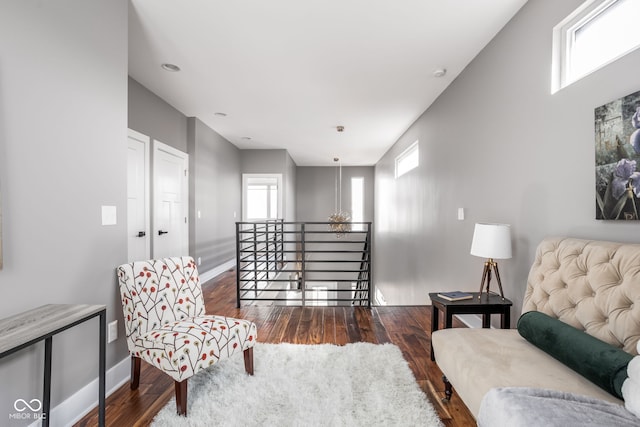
pixel 491 241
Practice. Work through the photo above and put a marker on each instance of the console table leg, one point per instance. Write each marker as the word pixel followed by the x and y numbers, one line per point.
pixel 46 398
pixel 102 367
pixel 447 389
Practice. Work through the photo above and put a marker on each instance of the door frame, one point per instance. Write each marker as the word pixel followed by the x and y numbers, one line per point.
pixel 146 141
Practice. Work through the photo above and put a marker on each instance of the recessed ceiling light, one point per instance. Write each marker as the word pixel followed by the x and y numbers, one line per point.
pixel 220 114
pixel 440 72
pixel 170 67
pixel 246 138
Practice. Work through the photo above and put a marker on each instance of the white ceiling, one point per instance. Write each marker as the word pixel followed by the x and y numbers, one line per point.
pixel 287 72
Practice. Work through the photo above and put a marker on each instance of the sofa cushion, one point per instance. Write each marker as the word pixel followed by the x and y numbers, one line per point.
pixel 601 363
pixel 477 360
pixel 590 285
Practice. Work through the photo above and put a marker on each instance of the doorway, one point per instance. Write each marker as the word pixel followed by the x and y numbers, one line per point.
pixel 157 199
pixel 138 232
pixel 170 201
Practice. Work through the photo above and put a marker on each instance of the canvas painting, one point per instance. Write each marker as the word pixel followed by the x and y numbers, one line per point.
pixel 617 134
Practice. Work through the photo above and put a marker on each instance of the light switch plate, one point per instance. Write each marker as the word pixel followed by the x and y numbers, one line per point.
pixel 109 215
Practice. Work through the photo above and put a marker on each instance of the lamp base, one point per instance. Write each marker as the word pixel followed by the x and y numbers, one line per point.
pixel 490 265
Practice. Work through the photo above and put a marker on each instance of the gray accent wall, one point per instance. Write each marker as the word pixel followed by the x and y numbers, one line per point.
pixel 316 194
pixel 63 150
pixel 500 145
pixel 152 116
pixel 290 180
pixel 216 186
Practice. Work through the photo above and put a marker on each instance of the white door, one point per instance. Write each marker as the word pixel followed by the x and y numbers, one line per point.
pixel 170 201
pixel 138 216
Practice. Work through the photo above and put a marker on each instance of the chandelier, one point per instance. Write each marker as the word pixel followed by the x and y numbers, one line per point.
pixel 339 221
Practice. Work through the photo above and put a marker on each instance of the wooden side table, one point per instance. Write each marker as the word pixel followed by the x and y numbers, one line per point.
pixel 486 305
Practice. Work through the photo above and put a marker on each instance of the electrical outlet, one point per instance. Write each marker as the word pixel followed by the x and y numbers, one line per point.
pixel 199 261
pixel 112 333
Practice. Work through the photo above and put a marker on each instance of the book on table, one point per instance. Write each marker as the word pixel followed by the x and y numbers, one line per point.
pixel 455 296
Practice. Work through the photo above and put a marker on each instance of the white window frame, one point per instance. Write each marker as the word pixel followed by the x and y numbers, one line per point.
pixel 562 74
pixel 406 155
pixel 246 177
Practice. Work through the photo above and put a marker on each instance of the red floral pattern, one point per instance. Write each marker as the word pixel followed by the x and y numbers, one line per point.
pixel 165 319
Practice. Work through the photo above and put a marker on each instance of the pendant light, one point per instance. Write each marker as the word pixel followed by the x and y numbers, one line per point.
pixel 339 221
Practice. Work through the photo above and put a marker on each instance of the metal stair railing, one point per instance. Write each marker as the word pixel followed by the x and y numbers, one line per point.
pixel 303 263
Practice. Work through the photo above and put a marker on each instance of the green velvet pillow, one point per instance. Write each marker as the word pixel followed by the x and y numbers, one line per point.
pixel 599 362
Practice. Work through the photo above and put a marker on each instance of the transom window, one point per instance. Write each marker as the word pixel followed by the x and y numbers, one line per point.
pixel 595 34
pixel 407 160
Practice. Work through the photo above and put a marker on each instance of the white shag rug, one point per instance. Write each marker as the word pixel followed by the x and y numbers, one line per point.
pixel 358 384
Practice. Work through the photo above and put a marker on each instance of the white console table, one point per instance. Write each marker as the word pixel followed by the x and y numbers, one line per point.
pixel 42 323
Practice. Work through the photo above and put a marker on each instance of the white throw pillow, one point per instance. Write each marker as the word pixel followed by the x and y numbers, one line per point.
pixel 631 387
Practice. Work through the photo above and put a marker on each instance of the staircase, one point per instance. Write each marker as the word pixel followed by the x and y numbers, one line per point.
pixel 303 263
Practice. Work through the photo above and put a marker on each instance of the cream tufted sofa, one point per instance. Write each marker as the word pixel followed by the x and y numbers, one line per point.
pixel 591 285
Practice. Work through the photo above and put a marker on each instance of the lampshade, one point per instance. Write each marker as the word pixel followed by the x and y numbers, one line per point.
pixel 492 241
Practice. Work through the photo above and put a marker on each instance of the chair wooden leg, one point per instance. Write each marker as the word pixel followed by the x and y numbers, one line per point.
pixel 181 397
pixel 248 360
pixel 135 372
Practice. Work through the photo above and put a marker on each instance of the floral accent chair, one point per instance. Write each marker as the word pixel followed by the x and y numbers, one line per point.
pixel 166 325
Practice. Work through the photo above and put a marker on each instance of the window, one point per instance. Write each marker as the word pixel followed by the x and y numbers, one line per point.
pixel 407 160
pixel 595 34
pixel 261 197
pixel 357 202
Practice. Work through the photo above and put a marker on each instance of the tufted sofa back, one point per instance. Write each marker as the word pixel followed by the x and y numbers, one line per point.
pixel 593 286
pixel 158 292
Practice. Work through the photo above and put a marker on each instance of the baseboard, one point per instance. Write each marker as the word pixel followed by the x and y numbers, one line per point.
pixel 210 274
pixel 84 400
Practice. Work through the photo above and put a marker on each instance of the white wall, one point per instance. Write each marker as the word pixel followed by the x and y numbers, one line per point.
pixel 497 143
pixel 63 133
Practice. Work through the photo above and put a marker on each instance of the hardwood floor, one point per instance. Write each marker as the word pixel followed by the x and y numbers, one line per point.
pixel 407 327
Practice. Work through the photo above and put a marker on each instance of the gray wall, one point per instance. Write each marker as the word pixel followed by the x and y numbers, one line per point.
pixel 216 186
pixel 290 181
pixel 214 178
pixel 497 143
pixel 316 196
pixel 63 145
pixel 151 115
